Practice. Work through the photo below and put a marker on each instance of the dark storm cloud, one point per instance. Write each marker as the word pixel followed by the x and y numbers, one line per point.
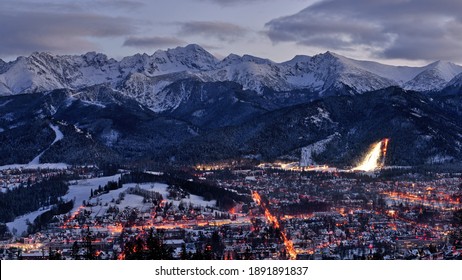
pixel 222 31
pixel 406 29
pixel 152 42
pixel 25 32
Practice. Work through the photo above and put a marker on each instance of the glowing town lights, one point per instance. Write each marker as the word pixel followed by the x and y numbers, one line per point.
pixel 275 222
pixel 256 197
pixel 375 158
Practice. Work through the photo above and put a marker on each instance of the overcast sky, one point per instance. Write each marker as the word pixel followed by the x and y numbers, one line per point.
pixel 404 32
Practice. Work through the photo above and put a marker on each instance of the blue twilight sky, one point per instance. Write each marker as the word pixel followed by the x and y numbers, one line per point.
pixel 406 32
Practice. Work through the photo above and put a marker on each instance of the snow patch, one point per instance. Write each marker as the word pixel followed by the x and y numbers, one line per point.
pixel 93 103
pixel 58 133
pixel 315 148
pixel 19 225
pixel 319 118
pixel 416 115
pixel 110 137
pixel 59 136
pixel 8 117
pixel 81 189
pixel 198 113
pixel 439 159
pixel 162 189
pixel 192 131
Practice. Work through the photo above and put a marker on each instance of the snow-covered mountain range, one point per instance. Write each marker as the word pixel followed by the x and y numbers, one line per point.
pixel 148 78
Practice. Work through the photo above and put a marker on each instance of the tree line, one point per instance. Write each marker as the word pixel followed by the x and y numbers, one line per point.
pixel 28 198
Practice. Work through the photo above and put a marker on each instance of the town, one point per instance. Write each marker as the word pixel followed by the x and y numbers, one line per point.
pixel 229 211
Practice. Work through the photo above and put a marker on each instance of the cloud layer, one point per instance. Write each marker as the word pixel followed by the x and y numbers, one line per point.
pixel 152 42
pixel 395 29
pixel 26 32
pixel 222 31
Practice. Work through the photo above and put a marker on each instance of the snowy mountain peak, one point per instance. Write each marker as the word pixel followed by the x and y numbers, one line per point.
pixel 332 61
pixel 41 55
pixel 97 58
pixel 254 59
pixel 144 77
pixel 298 59
pixel 333 57
pixel 231 59
pixel 236 59
pixel 202 59
pixel 435 76
pixel 447 70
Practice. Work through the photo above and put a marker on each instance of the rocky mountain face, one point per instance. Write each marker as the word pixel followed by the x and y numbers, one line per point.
pixel 183 105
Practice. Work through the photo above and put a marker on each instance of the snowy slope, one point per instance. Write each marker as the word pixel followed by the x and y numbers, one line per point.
pixel 434 77
pixel 251 72
pixel 19 225
pixel 456 81
pixel 59 136
pixel 336 70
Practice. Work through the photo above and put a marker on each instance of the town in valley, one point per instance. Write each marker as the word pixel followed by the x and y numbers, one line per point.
pixel 235 210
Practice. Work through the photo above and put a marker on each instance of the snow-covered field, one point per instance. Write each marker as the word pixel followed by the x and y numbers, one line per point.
pixel 19 225
pixel 162 189
pixel 80 191
pixel 104 201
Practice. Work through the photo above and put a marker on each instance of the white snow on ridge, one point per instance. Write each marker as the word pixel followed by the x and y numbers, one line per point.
pixel 145 77
pixel 399 74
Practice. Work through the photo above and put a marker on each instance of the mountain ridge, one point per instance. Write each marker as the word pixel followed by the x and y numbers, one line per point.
pixel 183 105
pixel 144 76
